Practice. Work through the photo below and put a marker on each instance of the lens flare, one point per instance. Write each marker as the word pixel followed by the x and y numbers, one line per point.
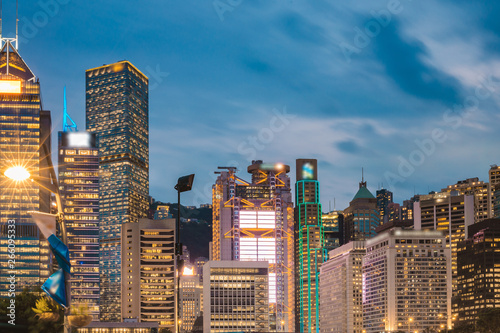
pixel 17 173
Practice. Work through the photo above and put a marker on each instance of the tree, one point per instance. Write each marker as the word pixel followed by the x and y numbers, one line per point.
pixel 26 320
pixel 489 320
pixel 463 328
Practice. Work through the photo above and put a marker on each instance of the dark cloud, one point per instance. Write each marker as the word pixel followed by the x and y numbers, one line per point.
pixel 300 29
pixel 404 59
pixel 348 146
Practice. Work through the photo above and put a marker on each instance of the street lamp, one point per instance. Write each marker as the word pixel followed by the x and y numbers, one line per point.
pixel 19 173
pixel 409 322
pixel 184 184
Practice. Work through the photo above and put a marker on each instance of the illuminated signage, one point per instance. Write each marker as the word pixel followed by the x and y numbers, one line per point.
pixel 307 169
pixel 10 86
pixel 78 139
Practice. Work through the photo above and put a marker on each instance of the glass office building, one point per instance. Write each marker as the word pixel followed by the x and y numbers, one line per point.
pixel 21 135
pixel 79 185
pixel 117 111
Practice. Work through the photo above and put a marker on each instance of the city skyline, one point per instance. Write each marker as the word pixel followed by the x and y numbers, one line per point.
pixel 217 66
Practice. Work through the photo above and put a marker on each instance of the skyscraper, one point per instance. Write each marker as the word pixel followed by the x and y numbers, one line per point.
pixel 148 272
pixel 341 289
pixel 481 192
pixel 333 224
pixel 384 198
pixel 478 274
pixel 117 111
pixel 406 282
pixel 79 187
pixel 191 299
pixel 25 142
pixel 253 221
pixel 450 213
pixel 309 245
pixel 362 217
pixel 494 174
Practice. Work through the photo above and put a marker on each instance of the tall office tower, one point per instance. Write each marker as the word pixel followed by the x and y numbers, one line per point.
pixel 117 111
pixel 362 217
pixel 494 174
pixel 406 281
pixel 191 299
pixel 198 267
pixel 450 213
pixel 393 212
pixel 407 208
pixel 384 198
pixel 78 169
pixel 333 224
pixel 253 221
pixel 309 245
pixel 341 289
pixel 496 200
pixel 478 270
pixel 148 272
pixel 481 192
pixel 236 296
pixel 25 142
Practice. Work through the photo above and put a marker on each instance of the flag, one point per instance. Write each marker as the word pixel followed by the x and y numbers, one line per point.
pixel 45 222
pixel 55 287
pixel 61 253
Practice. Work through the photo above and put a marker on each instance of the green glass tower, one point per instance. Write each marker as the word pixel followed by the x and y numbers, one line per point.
pixel 117 111
pixel 309 245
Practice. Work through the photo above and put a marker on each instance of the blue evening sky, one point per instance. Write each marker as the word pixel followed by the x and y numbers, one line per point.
pixel 409 90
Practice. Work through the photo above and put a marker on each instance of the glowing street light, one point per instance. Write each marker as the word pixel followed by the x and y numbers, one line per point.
pixel 17 173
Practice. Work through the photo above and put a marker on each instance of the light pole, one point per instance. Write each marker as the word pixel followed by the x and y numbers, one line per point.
pixel 184 184
pixel 19 174
pixel 409 322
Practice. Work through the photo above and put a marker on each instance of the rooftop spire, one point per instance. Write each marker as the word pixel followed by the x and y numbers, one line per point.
pixel 71 127
pixel 362 183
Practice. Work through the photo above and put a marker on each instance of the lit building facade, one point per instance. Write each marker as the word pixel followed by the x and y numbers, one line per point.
pixel 451 214
pixel 191 299
pixel 407 208
pixel 309 245
pixel 148 272
pixel 362 217
pixel 478 275
pixel 236 296
pixel 341 289
pixel 25 142
pixel 333 225
pixel 384 198
pixel 494 174
pixel 481 192
pixel 406 282
pixel 78 169
pixel 117 111
pixel 253 221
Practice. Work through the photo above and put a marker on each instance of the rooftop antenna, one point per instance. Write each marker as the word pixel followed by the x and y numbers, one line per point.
pixel 334 205
pixel 330 206
pixel 363 183
pixel 72 127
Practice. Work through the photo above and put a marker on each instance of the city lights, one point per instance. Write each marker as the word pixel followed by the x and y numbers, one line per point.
pixel 17 173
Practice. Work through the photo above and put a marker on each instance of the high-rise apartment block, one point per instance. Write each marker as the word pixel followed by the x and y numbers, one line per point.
pixel 253 221
pixel 406 282
pixel 478 276
pixel 117 111
pixel 341 289
pixel 309 245
pixel 236 296
pixel 79 187
pixel 362 217
pixel 148 272
pixel 407 208
pixel 25 142
pixel 384 198
pixel 494 174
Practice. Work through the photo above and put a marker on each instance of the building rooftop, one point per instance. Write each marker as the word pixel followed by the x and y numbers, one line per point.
pixel 363 193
